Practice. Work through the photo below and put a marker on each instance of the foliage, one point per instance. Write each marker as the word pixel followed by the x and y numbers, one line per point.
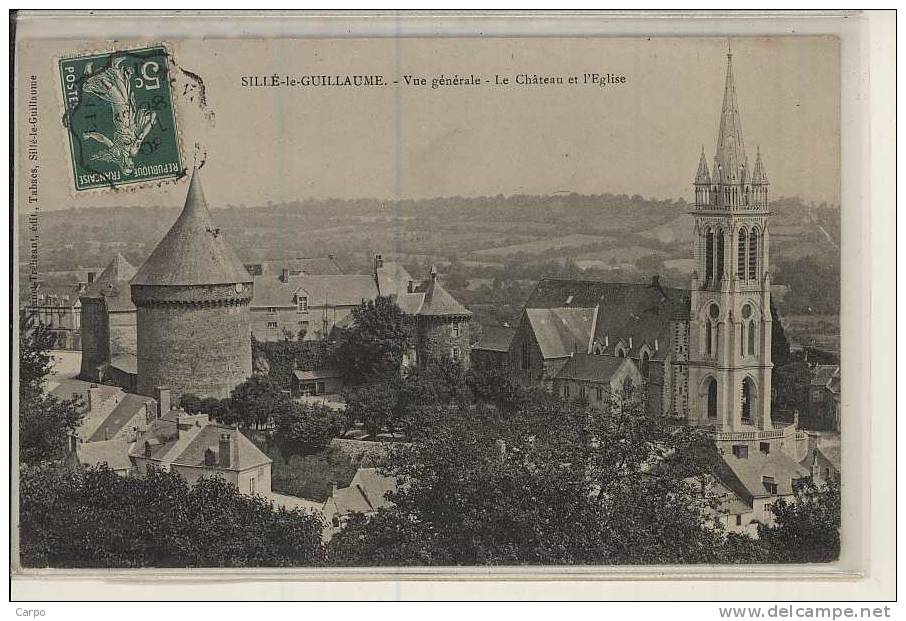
pixel 814 283
pixel 789 385
pixel 95 518
pixel 500 386
pixel 277 359
pixel 806 528
pixel 258 401
pixel 552 483
pixel 374 405
pixel 306 428
pixel 372 348
pixel 45 422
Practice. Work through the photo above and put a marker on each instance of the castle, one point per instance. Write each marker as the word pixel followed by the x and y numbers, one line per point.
pixel 183 321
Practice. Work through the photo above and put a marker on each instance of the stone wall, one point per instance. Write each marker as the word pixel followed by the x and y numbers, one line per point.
pixel 95 338
pixel 122 333
pixel 436 339
pixel 203 349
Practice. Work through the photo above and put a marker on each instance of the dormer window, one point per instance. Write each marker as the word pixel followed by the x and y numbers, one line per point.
pixel 147 449
pixel 770 485
pixel 740 451
pixel 302 303
pixel 456 329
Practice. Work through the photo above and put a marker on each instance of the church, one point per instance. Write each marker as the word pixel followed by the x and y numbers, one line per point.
pixel 700 355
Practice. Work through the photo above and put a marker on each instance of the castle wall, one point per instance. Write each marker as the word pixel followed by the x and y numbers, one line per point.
pixel 95 337
pixel 122 331
pixel 201 347
pixel 436 339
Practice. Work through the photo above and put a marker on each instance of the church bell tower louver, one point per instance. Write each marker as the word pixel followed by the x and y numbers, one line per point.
pixel 730 324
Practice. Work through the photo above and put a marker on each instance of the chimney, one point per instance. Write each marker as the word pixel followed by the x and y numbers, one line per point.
pixel 163 399
pixel 91 277
pixel 433 273
pixel 94 397
pixel 225 450
pixel 284 274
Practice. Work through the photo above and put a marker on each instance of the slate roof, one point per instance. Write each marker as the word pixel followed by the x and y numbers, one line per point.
pixel 561 331
pixel 127 363
pixel 641 311
pixel 592 368
pixel 126 410
pixel 393 278
pixel 321 290
pixel 744 476
pixel 365 494
pixel 494 338
pixel 180 439
pixel 112 285
pixel 824 374
pixel 439 303
pixel 317 374
pixel 832 454
pixel 410 303
pixel 194 251
pixel 114 453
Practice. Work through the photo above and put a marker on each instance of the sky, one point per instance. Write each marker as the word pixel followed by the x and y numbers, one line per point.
pixel 640 137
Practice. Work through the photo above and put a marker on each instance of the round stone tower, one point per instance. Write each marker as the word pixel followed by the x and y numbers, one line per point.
pixel 441 326
pixel 192 298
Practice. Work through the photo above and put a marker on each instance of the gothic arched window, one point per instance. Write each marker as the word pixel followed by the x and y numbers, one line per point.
pixel 719 255
pixel 643 365
pixel 752 338
pixel 709 254
pixel 741 252
pixel 753 254
pixel 712 397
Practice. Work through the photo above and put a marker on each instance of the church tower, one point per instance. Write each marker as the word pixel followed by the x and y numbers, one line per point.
pixel 192 296
pixel 730 323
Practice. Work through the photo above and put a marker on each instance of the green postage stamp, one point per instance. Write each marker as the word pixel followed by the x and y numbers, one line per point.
pixel 120 118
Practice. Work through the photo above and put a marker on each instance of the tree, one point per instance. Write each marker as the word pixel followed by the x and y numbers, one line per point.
pixel 257 401
pixel 806 528
pixel 307 428
pixel 45 422
pixel 95 518
pixel 374 405
pixel 790 385
pixel 372 348
pixel 552 483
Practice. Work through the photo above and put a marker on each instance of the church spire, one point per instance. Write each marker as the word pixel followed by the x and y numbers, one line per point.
pixel 759 175
pixel 730 162
pixel 702 177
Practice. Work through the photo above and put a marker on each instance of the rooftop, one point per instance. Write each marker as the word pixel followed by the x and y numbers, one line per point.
pixel 592 368
pixel 494 338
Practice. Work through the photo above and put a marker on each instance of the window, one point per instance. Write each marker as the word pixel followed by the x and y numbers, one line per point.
pixel 319 388
pixel 302 304
pixel 740 451
pixel 753 255
pixel 748 398
pixel 741 251
pixel 764 447
pixel 751 338
pixel 739 520
pixel 709 337
pixel 566 390
pixel 644 365
pixel 454 354
pixel 709 255
pixel 526 358
pixel 582 391
pixel 456 329
pixel 599 394
pixel 271 309
pixel 272 325
pixel 712 398
pixel 209 458
pixel 627 387
pixel 770 485
pixel 719 255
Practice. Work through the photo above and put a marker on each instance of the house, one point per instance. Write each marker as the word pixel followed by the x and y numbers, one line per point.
pixel 317 382
pixel 601 380
pixel 58 307
pixel 113 454
pixel 492 351
pixel 194 447
pixel 824 397
pixel 823 458
pixel 365 494
pixel 760 477
pixel 109 413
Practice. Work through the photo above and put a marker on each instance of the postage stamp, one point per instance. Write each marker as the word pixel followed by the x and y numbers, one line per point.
pixel 119 118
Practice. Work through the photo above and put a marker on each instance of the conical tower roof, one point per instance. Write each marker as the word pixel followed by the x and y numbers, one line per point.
pixel 113 284
pixel 702 176
pixel 193 252
pixel 439 303
pixel 730 160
